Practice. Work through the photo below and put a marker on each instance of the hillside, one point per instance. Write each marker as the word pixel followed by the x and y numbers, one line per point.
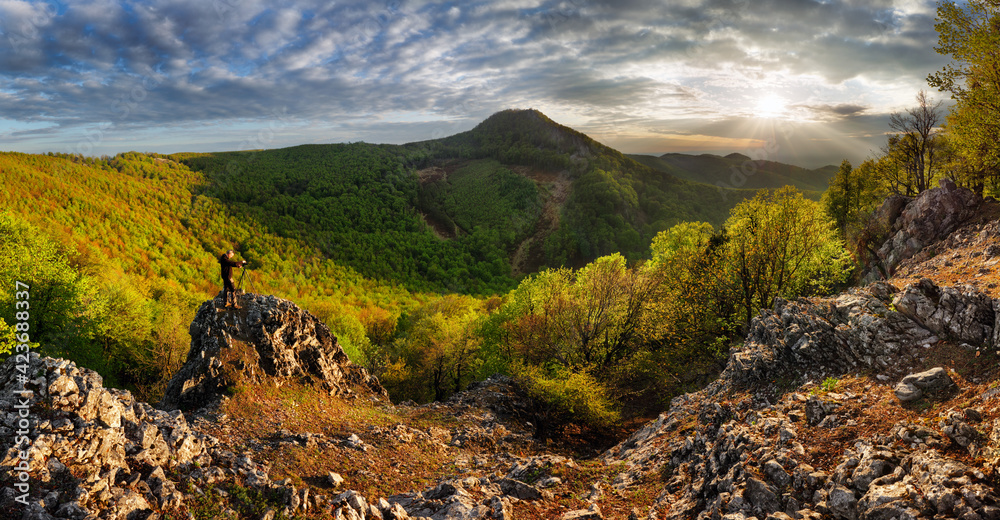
pixel 467 213
pixel 879 402
pixel 594 200
pixel 360 234
pixel 124 250
pixel 740 171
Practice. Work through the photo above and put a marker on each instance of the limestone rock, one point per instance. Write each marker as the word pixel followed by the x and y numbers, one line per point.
pixel 122 449
pixel 334 479
pixel 933 383
pixel 594 513
pixel 958 430
pixel 963 316
pixel 267 338
pixel 913 224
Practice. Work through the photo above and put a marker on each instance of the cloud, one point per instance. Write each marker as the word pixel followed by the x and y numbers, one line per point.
pixel 830 111
pixel 176 65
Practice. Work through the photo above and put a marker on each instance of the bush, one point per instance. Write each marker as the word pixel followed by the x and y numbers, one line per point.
pixel 565 396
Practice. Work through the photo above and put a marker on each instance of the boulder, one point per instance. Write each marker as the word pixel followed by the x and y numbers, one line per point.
pixel 913 224
pixel 594 513
pixel 933 383
pixel 267 338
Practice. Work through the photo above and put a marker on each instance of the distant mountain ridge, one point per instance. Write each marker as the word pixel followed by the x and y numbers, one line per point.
pixel 604 201
pixel 469 213
pixel 472 212
pixel 737 170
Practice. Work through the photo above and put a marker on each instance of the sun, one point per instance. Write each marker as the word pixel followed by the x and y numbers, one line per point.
pixel 771 106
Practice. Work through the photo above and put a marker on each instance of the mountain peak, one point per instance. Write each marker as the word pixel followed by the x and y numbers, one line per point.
pixel 524 129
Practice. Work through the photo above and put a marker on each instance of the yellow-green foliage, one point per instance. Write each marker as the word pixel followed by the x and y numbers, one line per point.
pixel 969 34
pixel 568 395
pixel 7 341
pixel 692 305
pixel 579 319
pixel 438 352
pixel 120 252
pixel 780 244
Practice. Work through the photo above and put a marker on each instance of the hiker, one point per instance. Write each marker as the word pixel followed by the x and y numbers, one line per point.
pixel 225 260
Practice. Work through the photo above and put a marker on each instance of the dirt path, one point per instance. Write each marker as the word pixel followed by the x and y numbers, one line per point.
pixel 530 254
pixel 436 227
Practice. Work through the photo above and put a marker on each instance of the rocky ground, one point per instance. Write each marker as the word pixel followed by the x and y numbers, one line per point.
pixel 882 402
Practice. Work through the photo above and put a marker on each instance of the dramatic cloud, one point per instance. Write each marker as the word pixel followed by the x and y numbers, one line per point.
pixel 104 76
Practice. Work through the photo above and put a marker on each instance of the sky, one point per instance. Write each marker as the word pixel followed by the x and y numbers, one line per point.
pixel 810 82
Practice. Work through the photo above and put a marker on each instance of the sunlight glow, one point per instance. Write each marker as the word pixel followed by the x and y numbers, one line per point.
pixel 771 106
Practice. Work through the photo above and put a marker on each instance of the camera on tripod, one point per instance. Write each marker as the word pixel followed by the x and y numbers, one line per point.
pixel 243 275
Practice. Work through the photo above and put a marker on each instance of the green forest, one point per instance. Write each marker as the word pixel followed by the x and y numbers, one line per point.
pixel 643 280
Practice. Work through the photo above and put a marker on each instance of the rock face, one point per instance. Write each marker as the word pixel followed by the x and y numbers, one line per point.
pixel 914 224
pixel 267 338
pixel 726 457
pixel 832 337
pixel 99 453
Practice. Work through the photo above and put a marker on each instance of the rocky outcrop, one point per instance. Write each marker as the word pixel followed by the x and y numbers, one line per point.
pixel 835 336
pixel 913 224
pixel 95 453
pixel 723 456
pixel 963 315
pixel 872 327
pixel 268 338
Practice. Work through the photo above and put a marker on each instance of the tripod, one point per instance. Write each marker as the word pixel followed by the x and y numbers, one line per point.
pixel 239 285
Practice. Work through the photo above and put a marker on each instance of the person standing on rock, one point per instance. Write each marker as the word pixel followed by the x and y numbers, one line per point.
pixel 227 263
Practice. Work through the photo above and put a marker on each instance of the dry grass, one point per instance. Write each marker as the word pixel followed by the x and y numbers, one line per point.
pixel 961 265
pixel 260 411
pixel 256 412
pixel 873 411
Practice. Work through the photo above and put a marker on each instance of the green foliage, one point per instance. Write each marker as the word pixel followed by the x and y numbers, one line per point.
pixel 679 243
pixel 437 351
pixel 485 194
pixel 781 244
pixel 969 33
pixel 589 318
pixel 355 203
pixel 97 318
pixel 854 194
pixel 120 252
pixel 56 293
pixel 7 340
pixel 566 395
pixel 841 196
pixel 829 384
pixel 692 309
